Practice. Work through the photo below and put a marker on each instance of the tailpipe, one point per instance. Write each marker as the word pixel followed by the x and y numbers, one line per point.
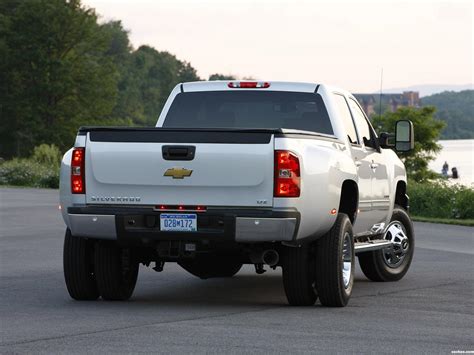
pixel 270 257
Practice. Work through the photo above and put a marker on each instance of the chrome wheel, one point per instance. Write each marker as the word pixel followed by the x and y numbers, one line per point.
pixel 396 233
pixel 347 260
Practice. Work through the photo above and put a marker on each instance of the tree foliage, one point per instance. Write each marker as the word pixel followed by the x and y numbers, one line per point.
pixel 457 110
pixel 149 78
pixel 56 73
pixel 216 76
pixel 427 131
pixel 60 69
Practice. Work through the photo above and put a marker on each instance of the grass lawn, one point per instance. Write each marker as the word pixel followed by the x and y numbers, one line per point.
pixel 461 222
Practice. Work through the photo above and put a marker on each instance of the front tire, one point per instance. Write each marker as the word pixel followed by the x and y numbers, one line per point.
pixel 298 276
pixel 335 264
pixel 391 265
pixel 78 268
pixel 116 271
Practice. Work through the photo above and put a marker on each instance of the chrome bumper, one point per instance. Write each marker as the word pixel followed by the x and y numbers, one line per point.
pixel 93 226
pixel 247 229
pixel 251 229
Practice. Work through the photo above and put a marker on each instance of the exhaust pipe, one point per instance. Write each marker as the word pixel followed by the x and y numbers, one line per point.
pixel 270 257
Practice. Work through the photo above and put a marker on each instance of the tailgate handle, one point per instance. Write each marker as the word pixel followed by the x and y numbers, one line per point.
pixel 178 152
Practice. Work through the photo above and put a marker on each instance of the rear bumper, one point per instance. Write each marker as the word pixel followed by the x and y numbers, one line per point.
pixel 131 225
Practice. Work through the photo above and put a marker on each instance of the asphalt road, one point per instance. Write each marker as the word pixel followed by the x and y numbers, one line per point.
pixel 431 310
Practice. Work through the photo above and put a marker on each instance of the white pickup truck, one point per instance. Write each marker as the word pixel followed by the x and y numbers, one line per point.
pixel 240 172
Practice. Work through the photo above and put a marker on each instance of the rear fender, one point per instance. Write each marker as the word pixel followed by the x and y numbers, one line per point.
pixel 324 165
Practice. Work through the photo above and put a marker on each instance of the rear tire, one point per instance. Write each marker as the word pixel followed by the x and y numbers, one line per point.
pixel 78 268
pixel 379 265
pixel 298 276
pixel 116 271
pixel 211 266
pixel 335 264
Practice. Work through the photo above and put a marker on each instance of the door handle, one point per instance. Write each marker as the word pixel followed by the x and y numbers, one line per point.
pixel 374 166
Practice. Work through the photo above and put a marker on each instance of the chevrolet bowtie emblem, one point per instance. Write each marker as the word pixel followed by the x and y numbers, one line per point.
pixel 178 173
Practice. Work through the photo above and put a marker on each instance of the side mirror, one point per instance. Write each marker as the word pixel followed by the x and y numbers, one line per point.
pixel 404 136
pixel 384 140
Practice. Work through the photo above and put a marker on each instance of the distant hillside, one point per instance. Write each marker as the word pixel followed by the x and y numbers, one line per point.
pixel 457 110
pixel 430 89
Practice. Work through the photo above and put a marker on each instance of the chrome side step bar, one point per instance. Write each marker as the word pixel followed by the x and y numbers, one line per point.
pixel 371 245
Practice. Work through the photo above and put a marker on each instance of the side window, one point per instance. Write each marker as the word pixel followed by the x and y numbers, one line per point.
pixel 363 127
pixel 346 117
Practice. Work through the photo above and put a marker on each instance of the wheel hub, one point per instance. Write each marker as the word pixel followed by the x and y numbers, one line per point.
pixel 396 234
pixel 347 260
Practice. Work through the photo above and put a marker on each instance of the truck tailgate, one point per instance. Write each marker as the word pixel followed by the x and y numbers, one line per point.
pixel 227 168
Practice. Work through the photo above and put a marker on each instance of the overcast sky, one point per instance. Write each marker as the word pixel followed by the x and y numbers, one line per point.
pixel 340 43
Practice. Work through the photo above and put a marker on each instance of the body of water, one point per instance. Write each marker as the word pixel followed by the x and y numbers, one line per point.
pixel 457 153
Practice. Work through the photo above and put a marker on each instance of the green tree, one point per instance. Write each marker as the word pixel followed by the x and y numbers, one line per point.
pixel 129 106
pixel 216 76
pixel 427 131
pixel 187 73
pixel 56 74
pixel 60 69
pixel 152 75
pixel 457 110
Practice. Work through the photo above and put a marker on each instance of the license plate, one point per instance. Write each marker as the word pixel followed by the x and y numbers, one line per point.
pixel 178 222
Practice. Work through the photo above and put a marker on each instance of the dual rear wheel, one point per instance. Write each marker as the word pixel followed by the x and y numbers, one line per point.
pixel 93 269
pixel 324 270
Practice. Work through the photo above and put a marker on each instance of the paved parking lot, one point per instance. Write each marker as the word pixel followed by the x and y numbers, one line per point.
pixel 431 310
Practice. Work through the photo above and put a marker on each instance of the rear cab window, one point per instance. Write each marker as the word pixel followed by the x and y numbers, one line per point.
pixel 249 109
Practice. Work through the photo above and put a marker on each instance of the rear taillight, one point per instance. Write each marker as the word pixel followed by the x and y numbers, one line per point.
pixel 287 174
pixel 78 181
pixel 248 85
